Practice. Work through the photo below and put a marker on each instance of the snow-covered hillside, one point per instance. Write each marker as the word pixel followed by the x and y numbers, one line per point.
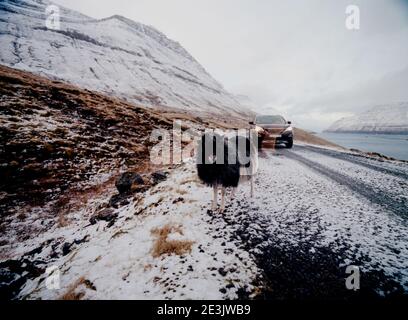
pixel 114 55
pixel 390 118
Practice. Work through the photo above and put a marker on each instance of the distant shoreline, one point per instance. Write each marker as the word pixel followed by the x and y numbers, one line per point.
pixel 367 132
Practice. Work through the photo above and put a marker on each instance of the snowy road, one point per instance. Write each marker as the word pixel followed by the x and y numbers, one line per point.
pixel 315 212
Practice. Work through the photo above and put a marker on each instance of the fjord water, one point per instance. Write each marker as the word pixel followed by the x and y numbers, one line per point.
pixel 392 145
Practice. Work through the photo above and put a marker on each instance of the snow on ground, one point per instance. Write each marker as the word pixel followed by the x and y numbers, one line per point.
pixel 119 261
pixel 299 232
pixel 296 204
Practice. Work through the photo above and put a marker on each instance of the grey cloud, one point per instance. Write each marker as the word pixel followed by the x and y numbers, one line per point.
pixel 295 55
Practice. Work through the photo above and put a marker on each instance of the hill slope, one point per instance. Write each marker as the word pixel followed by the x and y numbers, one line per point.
pixel 58 142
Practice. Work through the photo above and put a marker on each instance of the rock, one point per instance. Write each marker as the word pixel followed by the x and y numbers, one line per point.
pixel 158 177
pixel 66 248
pixel 127 180
pixel 105 215
pixel 179 199
pixel 14 164
pixel 15 273
pixel 118 200
pixel 222 272
pixel 89 285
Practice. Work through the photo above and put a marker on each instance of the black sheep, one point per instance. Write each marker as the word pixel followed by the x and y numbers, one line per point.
pixel 221 162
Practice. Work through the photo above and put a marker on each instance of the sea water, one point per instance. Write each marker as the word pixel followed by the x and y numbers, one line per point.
pixel 392 145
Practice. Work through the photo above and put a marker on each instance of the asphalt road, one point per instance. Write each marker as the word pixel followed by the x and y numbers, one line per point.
pixel 317 211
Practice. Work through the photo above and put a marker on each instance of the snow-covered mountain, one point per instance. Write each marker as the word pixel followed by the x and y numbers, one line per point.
pixel 389 118
pixel 115 55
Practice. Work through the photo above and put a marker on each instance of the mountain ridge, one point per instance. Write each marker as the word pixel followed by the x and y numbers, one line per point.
pixel 114 55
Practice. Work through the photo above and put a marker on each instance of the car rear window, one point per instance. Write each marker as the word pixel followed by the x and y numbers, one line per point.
pixel 270 120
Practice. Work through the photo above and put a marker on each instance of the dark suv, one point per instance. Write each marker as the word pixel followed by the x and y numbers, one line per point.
pixel 273 128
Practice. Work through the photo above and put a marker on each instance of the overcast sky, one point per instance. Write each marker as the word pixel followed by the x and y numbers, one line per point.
pixel 293 56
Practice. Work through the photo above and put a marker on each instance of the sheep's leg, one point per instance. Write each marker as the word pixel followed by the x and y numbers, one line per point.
pixel 222 199
pixel 214 202
pixel 233 193
pixel 252 186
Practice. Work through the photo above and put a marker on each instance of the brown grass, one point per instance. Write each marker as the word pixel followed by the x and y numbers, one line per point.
pixel 181 191
pixel 211 120
pixel 118 233
pixel 165 246
pixel 189 180
pixel 72 292
pixel 62 220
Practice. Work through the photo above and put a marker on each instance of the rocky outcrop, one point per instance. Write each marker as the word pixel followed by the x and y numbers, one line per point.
pixel 127 181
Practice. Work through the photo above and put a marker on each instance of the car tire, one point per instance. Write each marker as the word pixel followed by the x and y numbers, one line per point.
pixel 289 143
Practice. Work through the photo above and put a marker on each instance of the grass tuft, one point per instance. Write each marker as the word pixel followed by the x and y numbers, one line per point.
pixel 164 246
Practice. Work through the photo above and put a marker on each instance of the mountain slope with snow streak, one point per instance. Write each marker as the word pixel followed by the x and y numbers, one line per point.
pixel 115 56
pixel 390 118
